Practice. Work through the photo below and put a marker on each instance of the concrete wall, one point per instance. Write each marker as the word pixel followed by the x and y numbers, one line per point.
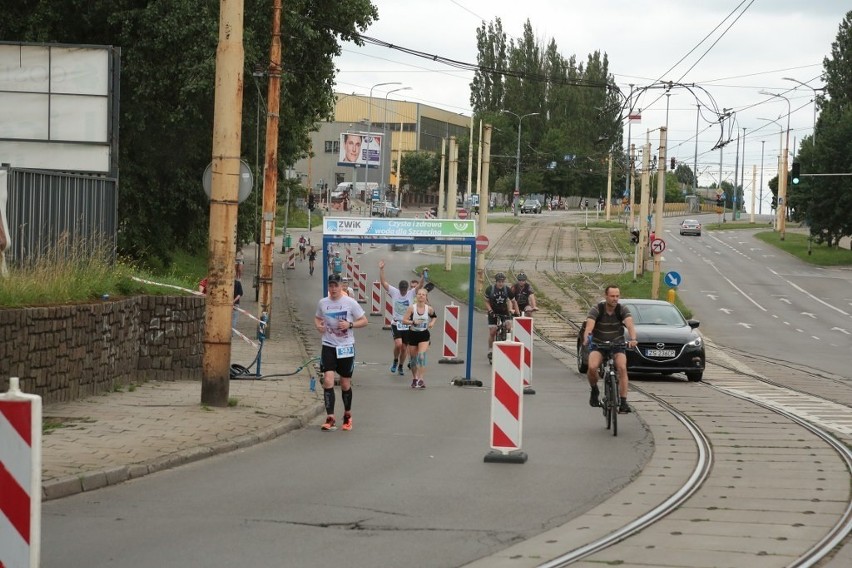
pixel 67 352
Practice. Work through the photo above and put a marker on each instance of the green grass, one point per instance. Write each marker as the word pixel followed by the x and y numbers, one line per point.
pixel 733 225
pixel 504 220
pixel 71 275
pixel 797 245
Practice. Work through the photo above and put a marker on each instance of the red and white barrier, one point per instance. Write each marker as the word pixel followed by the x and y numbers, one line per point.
pixel 362 287
pixel 20 478
pixel 522 332
pixel 350 268
pixel 507 403
pixel 376 298
pixel 291 258
pixel 356 277
pixel 450 348
pixel 388 312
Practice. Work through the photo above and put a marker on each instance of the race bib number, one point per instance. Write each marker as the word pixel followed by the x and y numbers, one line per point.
pixel 345 351
pixel 401 327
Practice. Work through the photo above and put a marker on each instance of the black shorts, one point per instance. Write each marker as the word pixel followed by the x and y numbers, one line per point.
pixel 416 337
pixel 330 362
pixel 399 333
pixel 492 317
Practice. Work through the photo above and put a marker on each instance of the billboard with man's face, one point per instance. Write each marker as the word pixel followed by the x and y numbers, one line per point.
pixel 360 149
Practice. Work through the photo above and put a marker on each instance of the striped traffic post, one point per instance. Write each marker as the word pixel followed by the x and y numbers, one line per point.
pixel 350 268
pixel 450 348
pixel 522 332
pixel 356 277
pixel 291 259
pixel 376 299
pixel 507 403
pixel 20 478
pixel 362 287
pixel 388 312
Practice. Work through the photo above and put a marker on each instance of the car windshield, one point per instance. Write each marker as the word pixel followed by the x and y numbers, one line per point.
pixel 656 314
pixel 690 222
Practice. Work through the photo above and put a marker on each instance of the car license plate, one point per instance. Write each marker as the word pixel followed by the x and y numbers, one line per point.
pixel 660 352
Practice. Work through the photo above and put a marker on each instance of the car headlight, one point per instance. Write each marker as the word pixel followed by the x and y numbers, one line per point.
pixel 695 342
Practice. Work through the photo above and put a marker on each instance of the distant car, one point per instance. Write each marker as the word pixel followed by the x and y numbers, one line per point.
pixel 402 246
pixel 690 227
pixel 531 206
pixel 384 209
pixel 667 344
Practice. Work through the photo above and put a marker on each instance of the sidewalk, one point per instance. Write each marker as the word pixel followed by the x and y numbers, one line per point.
pixel 108 439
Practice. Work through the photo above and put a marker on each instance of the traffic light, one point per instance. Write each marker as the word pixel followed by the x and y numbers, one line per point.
pixel 796 171
pixel 673 162
pixel 311 202
pixel 634 236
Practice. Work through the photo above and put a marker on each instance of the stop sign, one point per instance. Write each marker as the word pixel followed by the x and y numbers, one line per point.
pixel 481 243
pixel 462 213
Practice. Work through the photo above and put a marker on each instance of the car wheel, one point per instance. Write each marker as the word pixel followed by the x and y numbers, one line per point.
pixel 694 376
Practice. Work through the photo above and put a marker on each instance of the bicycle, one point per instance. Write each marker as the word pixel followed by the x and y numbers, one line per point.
pixel 607 373
pixel 502 329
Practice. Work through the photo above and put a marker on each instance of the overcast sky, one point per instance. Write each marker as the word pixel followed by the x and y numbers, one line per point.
pixel 757 43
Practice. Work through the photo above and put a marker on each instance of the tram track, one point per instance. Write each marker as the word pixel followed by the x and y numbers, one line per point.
pixel 768 453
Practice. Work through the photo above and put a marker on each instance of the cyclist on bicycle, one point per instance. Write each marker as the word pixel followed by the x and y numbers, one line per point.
pixel 524 295
pixel 498 302
pixel 606 322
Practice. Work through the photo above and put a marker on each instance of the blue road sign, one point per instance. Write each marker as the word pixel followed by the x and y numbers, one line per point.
pixel 673 279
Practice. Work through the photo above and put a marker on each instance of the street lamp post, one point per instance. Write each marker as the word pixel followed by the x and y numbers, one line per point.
pixel 782 181
pixel 369 131
pixel 814 89
pixel 384 141
pixel 257 73
pixel 780 149
pixel 517 194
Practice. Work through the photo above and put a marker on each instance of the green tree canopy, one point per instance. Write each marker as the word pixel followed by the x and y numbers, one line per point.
pixel 167 87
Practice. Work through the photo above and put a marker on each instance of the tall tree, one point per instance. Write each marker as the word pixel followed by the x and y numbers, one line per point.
pixel 825 202
pixel 167 84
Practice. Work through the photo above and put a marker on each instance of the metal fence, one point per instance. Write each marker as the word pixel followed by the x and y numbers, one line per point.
pixel 54 213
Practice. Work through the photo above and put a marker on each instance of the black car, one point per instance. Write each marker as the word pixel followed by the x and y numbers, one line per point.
pixel 668 343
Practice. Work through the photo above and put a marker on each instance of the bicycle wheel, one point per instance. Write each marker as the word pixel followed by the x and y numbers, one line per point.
pixel 612 381
pixel 605 404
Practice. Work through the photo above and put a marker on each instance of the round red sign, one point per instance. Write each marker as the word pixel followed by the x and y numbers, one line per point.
pixel 462 213
pixel 481 243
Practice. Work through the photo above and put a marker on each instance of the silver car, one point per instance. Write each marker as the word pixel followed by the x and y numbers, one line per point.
pixel 690 227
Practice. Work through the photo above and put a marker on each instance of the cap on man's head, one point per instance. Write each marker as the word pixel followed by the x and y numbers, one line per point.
pixel 334 279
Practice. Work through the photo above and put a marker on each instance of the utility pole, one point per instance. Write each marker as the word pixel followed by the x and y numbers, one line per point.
pixel 645 196
pixel 452 192
pixel 609 186
pixel 484 198
pixel 658 213
pixel 470 161
pixel 737 199
pixel 760 202
pixel 224 191
pixel 270 169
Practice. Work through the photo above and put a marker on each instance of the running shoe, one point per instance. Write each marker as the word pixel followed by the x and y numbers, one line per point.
pixel 421 384
pixel 401 371
pixel 393 367
pixel 624 408
pixel 595 397
pixel 414 383
pixel 489 357
pixel 347 422
pixel 329 424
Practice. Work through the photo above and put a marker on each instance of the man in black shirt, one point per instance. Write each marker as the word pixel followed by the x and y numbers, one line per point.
pixel 606 322
pixel 498 302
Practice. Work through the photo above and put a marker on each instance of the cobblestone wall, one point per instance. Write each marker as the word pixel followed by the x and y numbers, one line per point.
pixel 67 352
